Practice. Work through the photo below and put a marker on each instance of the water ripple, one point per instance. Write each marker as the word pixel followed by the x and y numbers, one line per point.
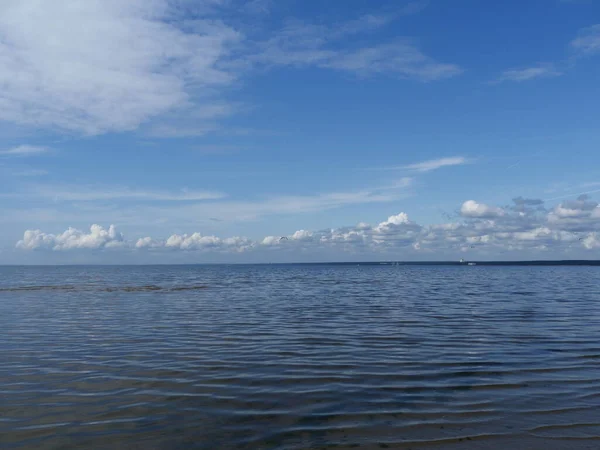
pixel 300 357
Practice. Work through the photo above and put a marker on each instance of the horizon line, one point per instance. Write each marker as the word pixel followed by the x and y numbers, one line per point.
pixel 544 262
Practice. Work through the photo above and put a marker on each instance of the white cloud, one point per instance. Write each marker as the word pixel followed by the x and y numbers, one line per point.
pixel 97 238
pixel 302 235
pixel 398 219
pixel 24 150
pixel 302 44
pixel 402 59
pixel 581 214
pixel 592 241
pixel 196 242
pixel 588 40
pixel 148 242
pixel 397 230
pixel 529 73
pixel 434 164
pixel 105 65
pixel 271 241
pixel 101 66
pixel 485 230
pixel 532 235
pixel 586 43
pixel 471 208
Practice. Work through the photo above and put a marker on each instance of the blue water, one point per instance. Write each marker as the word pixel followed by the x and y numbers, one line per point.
pixel 300 357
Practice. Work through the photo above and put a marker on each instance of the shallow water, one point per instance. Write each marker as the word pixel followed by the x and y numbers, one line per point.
pixel 300 357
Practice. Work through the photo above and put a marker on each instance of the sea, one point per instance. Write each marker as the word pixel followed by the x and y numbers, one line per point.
pixel 291 357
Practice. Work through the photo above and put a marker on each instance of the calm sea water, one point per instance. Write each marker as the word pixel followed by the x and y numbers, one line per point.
pixel 300 357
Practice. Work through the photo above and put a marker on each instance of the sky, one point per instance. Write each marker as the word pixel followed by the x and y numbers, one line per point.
pixel 198 131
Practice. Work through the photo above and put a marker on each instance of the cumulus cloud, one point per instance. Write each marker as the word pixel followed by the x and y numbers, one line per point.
pixel 302 235
pixel 148 242
pixel 471 208
pixel 591 241
pixel 98 237
pixel 488 230
pixel 582 214
pixel 196 241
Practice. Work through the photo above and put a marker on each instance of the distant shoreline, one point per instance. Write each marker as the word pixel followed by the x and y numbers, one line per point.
pixel 485 263
pixel 456 263
pixel 578 262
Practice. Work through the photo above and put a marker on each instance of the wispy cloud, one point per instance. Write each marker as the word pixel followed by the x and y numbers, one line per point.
pixel 586 43
pixel 95 67
pixel 104 193
pixel 528 73
pixel 402 59
pixel 194 120
pixel 305 44
pixel 294 204
pixel 61 72
pixel 249 210
pixel 25 150
pixel 573 194
pixel 588 40
pixel 188 207
pixel 432 164
pixel 257 6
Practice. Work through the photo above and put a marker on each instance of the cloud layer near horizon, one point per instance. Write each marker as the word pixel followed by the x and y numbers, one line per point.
pixel 525 225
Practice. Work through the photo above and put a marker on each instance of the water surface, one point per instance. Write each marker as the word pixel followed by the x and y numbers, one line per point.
pixel 300 357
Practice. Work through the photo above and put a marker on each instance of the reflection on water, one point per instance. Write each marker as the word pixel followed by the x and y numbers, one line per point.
pixel 300 357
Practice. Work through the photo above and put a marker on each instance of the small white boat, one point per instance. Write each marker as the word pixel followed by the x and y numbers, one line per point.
pixel 472 264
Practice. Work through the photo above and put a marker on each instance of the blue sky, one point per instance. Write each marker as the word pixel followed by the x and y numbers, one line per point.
pixel 208 130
